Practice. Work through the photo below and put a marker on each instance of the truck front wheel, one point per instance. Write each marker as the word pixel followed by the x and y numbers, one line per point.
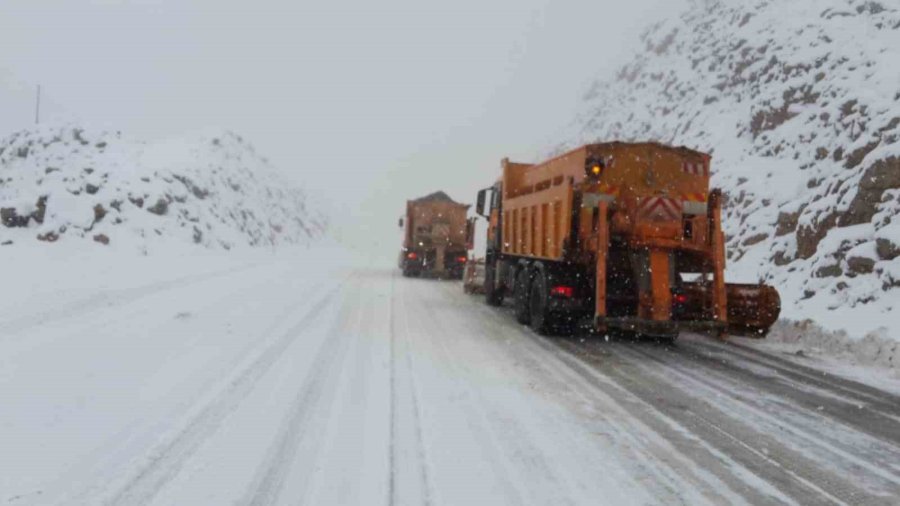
pixel 541 319
pixel 493 295
pixel 523 311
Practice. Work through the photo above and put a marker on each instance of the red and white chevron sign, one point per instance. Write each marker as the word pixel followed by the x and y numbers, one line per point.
pixel 659 209
pixel 695 168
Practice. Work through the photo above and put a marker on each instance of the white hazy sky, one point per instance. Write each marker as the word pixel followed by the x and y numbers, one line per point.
pixel 367 103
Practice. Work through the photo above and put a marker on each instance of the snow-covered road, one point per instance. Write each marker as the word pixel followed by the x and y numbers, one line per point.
pixel 273 383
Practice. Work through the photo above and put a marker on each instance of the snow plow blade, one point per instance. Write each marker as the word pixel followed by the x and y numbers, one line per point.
pixel 752 309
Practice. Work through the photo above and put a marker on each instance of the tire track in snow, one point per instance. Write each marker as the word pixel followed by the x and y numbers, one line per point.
pixel 134 441
pixel 392 436
pixel 166 460
pixel 886 403
pixel 850 411
pixel 474 404
pixel 671 469
pixel 424 491
pixel 518 436
pixel 791 473
pixel 325 372
pixel 811 479
pixel 861 454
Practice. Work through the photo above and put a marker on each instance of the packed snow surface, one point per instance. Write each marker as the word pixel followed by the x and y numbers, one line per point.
pixel 212 189
pixel 799 103
pixel 309 376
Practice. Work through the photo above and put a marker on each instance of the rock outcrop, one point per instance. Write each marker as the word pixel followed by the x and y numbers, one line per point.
pixel 799 103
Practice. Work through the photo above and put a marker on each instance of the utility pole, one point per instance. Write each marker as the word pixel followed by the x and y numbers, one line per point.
pixel 37 107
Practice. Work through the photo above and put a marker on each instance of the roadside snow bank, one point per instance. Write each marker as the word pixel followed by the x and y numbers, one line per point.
pixel 45 278
pixel 210 189
pixel 68 281
pixel 865 359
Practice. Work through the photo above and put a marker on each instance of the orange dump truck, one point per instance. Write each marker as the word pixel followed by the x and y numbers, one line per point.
pixel 628 234
pixel 434 237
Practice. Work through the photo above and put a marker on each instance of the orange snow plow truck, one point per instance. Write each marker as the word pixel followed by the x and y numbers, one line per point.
pixel 435 232
pixel 628 234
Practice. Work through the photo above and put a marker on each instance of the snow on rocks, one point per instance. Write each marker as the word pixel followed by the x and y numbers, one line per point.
pixel 799 104
pixel 210 189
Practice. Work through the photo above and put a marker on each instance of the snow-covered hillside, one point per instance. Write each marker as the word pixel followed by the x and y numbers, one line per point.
pixel 799 103
pixel 63 183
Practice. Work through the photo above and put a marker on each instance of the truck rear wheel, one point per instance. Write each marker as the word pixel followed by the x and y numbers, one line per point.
pixel 542 320
pixel 665 339
pixel 523 310
pixel 492 295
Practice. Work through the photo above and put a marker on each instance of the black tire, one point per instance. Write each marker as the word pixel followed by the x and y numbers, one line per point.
pixel 523 287
pixel 667 338
pixel 410 272
pixel 492 295
pixel 538 304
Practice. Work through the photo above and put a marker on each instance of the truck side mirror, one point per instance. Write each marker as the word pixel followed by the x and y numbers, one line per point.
pixel 479 206
pixel 400 223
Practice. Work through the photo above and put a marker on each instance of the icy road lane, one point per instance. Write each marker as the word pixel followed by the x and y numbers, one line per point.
pixel 268 384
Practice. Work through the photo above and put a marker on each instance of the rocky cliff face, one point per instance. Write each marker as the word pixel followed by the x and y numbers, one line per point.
pixel 62 183
pixel 799 103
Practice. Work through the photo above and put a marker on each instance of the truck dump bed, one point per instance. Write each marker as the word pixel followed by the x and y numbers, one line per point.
pixel 435 236
pixel 654 183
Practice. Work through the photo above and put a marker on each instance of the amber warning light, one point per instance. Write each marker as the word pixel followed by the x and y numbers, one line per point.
pixel 594 168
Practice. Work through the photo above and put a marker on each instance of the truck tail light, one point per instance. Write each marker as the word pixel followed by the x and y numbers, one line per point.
pixel 412 255
pixel 680 298
pixel 563 291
